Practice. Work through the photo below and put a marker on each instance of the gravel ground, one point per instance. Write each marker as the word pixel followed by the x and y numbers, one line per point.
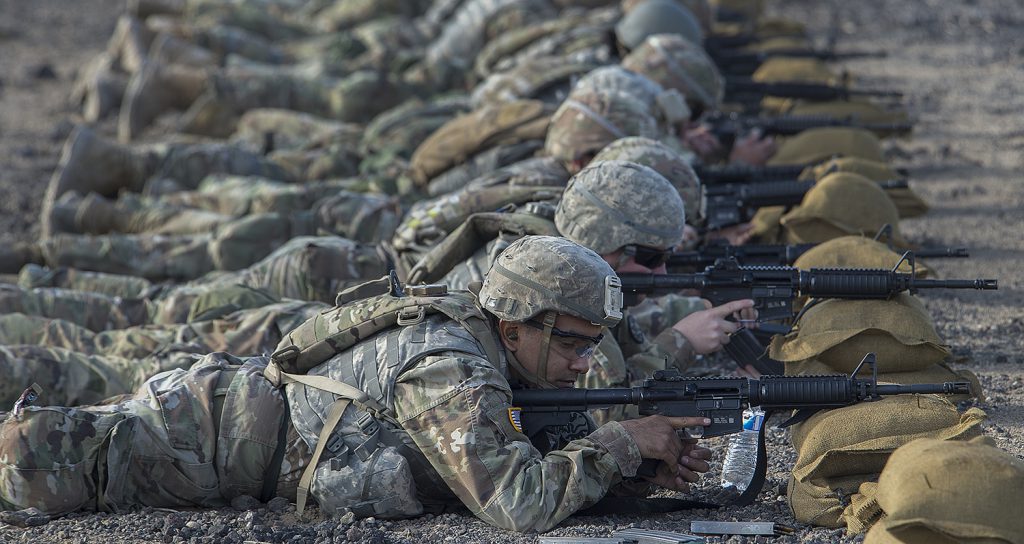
pixel 960 66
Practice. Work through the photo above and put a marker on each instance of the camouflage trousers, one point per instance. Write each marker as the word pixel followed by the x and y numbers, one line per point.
pixel 186 438
pixel 77 366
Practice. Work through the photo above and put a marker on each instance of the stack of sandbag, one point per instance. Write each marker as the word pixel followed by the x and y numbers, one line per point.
pixel 838 450
pixel 936 492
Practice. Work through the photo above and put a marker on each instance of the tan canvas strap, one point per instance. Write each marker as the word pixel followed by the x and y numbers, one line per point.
pixel 333 417
pixel 358 397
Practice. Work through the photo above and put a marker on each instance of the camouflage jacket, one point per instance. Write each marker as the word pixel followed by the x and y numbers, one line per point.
pixel 446 399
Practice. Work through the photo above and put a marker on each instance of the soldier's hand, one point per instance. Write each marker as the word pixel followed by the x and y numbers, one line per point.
pixel 657 438
pixel 708 330
pixel 753 149
pixel 702 141
pixel 692 463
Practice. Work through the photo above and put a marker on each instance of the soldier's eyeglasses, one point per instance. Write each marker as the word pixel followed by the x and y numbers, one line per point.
pixel 647 256
pixel 584 351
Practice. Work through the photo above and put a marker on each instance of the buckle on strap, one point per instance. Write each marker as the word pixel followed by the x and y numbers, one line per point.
pixel 272 373
pixel 411 316
pixel 286 354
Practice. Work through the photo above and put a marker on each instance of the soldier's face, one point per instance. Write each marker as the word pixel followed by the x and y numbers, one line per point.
pixel 565 361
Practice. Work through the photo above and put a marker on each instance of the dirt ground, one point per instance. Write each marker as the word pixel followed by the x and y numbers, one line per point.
pixel 959 64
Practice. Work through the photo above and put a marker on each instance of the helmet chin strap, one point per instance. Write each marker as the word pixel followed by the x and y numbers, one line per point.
pixel 545 343
pixel 540 378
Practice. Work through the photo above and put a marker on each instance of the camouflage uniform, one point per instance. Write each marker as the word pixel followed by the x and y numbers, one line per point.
pixel 75 366
pixel 323 208
pixel 203 436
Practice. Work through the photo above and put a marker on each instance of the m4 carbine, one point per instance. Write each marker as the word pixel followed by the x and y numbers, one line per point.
pixel 722 400
pixel 742 173
pixel 728 126
pixel 773 289
pixel 740 62
pixel 776 255
pixel 745 89
pixel 734 203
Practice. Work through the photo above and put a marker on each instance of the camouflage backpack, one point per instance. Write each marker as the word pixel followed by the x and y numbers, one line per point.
pixel 375 478
pixel 470 134
pixel 363 310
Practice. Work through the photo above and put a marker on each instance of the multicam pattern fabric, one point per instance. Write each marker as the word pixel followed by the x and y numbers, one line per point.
pixel 164 446
pixel 453 406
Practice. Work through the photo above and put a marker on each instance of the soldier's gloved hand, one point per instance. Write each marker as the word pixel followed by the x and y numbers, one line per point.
pixel 708 330
pixel 753 149
pixel 681 460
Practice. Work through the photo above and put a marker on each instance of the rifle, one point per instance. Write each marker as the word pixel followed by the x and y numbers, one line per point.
pixel 739 62
pixel 733 173
pixel 736 173
pixel 734 203
pixel 728 126
pixel 721 400
pixel 776 255
pixel 745 90
pixel 773 289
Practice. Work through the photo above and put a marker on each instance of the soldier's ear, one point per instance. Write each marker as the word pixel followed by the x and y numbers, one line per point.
pixel 509 332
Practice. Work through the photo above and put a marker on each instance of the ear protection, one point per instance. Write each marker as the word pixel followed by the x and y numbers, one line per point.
pixel 512 335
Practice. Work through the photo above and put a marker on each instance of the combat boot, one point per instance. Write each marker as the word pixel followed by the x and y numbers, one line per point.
pixel 169 49
pixel 154 90
pixel 144 8
pixel 129 44
pixel 75 214
pixel 90 164
pixel 99 89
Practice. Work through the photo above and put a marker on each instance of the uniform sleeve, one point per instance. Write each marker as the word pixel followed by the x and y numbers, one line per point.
pixel 456 409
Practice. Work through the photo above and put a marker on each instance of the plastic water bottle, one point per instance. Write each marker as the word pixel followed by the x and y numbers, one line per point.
pixel 741 459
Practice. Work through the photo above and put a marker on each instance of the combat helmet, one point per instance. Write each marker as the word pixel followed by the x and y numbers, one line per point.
pixel 663 160
pixel 677 63
pixel 540 277
pixel 613 204
pixel 668 105
pixel 657 17
pixel 589 120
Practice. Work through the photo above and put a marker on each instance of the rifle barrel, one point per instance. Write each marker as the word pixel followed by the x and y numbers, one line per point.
pixel 941 252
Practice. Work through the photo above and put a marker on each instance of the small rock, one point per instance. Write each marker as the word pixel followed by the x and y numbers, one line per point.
pixel 354 534
pixel 42 71
pixel 191 525
pixel 29 517
pixel 278 504
pixel 347 519
pixel 245 502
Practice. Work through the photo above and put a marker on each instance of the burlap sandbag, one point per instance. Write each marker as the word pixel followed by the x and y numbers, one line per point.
pixel 937 373
pixel 937 492
pixel 469 134
pixel 856 252
pixel 767 229
pixel 908 203
pixel 860 110
pixel 835 457
pixel 839 332
pixel 791 69
pixel 842 203
pixel 820 144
